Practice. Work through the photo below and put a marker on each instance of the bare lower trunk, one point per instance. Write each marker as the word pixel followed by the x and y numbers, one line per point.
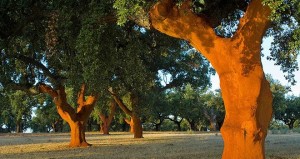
pixel 104 126
pixel 106 120
pixel 248 114
pixel 178 125
pixel 137 127
pixel 78 135
pixel 76 119
pixel 19 126
pixel 158 126
pixel 192 124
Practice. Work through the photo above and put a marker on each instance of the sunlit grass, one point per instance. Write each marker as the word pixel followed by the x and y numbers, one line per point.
pixel 123 145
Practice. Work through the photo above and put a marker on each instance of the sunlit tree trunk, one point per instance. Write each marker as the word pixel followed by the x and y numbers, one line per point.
pixel 135 121
pixel 135 126
pixel 76 119
pixel 106 120
pixel 130 123
pixel 245 90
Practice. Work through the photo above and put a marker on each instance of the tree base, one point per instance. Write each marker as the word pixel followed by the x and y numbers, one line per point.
pixel 83 144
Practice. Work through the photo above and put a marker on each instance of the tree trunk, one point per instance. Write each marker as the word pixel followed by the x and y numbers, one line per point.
pixel 178 125
pixel 135 122
pixel 106 120
pixel 245 90
pixel 157 127
pixel 192 125
pixel 104 126
pixel 19 126
pixel 89 125
pixel 78 134
pixel 76 119
pixel 130 123
pixel 213 123
pixel 290 124
pixel 247 116
pixel 136 126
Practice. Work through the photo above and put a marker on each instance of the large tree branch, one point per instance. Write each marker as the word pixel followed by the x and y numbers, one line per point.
pixel 112 111
pixel 60 99
pixel 39 65
pixel 85 106
pixel 181 22
pixel 255 21
pixel 28 88
pixel 47 89
pixel 80 97
pixel 120 102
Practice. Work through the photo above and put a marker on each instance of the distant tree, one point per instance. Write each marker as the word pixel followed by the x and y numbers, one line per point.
pixel 104 112
pixel 192 106
pixel 174 99
pixel 290 113
pixel 7 122
pixel 46 117
pixel 157 109
pixel 214 109
pixel 22 105
pixel 279 93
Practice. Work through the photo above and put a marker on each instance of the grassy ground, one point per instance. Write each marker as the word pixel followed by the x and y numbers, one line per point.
pixel 168 145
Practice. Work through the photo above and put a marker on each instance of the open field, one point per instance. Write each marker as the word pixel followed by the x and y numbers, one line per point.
pixel 122 145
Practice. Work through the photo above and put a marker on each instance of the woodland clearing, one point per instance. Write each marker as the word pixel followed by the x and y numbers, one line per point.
pixel 122 145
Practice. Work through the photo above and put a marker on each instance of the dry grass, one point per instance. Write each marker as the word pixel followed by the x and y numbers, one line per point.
pixel 122 145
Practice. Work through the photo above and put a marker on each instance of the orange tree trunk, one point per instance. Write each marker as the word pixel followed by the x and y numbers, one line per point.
pixel 136 126
pixel 245 90
pixel 135 122
pixel 104 126
pixel 106 120
pixel 76 119
pixel 130 123
pixel 78 134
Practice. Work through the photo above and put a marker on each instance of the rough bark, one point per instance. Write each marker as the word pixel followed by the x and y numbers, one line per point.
pixel 135 126
pixel 106 120
pixel 76 119
pixel 245 90
pixel 135 122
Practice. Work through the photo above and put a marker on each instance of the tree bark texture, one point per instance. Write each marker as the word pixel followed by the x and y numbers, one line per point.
pixel 245 90
pixel 76 119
